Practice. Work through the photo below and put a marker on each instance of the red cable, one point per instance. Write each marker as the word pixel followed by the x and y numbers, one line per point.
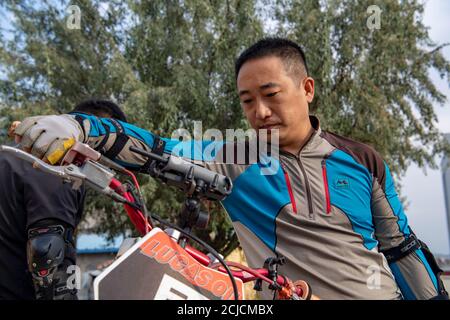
pixel 136 216
pixel 148 226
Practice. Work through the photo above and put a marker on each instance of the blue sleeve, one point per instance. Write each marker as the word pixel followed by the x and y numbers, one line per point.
pixel 97 129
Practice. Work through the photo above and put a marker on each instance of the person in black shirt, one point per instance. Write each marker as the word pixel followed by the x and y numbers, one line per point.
pixel 38 214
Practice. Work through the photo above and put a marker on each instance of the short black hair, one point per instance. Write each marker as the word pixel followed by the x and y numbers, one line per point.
pixel 288 51
pixel 97 106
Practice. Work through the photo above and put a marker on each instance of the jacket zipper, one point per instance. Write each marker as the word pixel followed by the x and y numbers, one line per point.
pixel 302 169
pixel 291 193
pixel 308 189
pixel 325 182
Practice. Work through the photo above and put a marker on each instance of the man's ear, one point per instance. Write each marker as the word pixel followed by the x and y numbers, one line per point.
pixel 308 85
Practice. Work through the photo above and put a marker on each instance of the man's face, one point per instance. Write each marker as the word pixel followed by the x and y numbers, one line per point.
pixel 272 99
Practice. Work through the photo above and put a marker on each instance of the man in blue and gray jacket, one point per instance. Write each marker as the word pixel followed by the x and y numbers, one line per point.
pixel 329 206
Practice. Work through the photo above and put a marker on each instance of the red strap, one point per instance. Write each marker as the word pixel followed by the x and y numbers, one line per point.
pixel 325 182
pixel 291 194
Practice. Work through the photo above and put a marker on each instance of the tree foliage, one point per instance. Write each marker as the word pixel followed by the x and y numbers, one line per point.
pixel 171 62
pixel 372 85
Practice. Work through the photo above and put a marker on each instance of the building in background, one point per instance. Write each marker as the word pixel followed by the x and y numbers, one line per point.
pixel 444 261
pixel 94 253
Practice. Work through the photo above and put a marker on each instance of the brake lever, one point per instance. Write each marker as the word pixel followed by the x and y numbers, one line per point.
pixel 93 174
pixel 35 162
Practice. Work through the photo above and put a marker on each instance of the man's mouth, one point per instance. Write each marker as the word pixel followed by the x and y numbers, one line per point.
pixel 270 126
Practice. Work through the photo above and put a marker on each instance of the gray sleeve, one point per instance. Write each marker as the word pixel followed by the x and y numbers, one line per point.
pixel 412 273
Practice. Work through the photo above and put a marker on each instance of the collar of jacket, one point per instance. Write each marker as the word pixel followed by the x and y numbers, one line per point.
pixel 313 141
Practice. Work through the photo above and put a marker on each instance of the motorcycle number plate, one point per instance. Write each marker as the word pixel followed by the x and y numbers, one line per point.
pixel 157 268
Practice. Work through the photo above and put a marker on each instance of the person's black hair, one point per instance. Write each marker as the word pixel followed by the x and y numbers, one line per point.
pixel 98 106
pixel 288 51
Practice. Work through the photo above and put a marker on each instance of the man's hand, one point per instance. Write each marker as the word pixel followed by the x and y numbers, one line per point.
pixel 48 137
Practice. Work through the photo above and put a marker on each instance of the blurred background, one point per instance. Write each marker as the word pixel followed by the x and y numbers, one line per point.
pixel 168 63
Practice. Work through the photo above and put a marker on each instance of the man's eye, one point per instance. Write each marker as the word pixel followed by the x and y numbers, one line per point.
pixel 247 101
pixel 272 94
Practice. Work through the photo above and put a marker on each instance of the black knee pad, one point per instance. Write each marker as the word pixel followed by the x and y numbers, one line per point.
pixel 50 252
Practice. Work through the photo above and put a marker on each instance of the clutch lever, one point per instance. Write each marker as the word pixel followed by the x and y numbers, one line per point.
pixel 95 175
pixel 37 163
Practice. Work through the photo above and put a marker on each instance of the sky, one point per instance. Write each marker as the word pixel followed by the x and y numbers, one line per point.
pixel 425 193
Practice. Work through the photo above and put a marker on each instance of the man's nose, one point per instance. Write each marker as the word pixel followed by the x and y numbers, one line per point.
pixel 262 110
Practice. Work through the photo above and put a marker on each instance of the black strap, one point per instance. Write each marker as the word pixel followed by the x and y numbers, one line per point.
pixel 105 139
pixel 119 144
pixel 159 146
pixel 80 120
pixel 409 245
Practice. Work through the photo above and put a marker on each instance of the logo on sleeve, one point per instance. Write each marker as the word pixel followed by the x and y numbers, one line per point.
pixel 342 183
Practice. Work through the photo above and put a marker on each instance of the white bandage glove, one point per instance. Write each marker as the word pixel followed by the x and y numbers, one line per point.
pixel 49 137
